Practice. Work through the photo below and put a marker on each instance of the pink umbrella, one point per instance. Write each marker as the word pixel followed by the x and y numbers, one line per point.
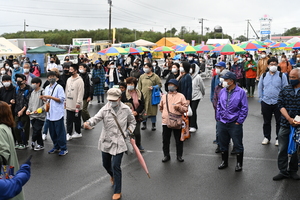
pixel 139 156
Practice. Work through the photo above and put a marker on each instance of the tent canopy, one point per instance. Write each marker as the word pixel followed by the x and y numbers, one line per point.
pixel 47 49
pixel 7 48
pixel 145 43
pixel 170 41
pixel 294 39
pixel 216 41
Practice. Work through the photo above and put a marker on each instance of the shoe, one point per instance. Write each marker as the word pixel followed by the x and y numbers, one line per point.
pixel 22 146
pixel 144 126
pixel 52 151
pixel 38 147
pixel 166 159
pixel 224 163
pixel 218 149
pixel 17 146
pixel 69 137
pixel 76 135
pixel 153 127
pixel 141 148
pixel 180 159
pixel 103 102
pixel 215 142
pixel 63 153
pixel 32 145
pixel 193 130
pixel 112 181
pixel 279 177
pixel 44 136
pixel 98 101
pixel 265 141
pixel 276 143
pixel 239 162
pixel 294 176
pixel 233 152
pixel 116 196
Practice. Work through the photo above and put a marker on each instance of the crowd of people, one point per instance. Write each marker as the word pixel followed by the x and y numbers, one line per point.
pixel 130 83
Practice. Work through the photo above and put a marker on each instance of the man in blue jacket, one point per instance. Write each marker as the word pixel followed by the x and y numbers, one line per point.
pixel 232 110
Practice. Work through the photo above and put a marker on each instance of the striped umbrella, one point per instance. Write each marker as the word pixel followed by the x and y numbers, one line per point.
pixel 279 45
pixel 229 49
pixel 217 45
pixel 186 50
pixel 144 49
pixel 249 46
pixel 133 51
pixel 206 48
pixel 295 45
pixel 164 49
pixel 112 51
pixel 259 42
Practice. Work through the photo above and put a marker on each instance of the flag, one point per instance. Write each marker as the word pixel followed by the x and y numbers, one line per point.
pixel 24 48
pixel 114 35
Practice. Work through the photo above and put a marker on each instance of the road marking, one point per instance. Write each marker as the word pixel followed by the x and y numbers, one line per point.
pixel 279 193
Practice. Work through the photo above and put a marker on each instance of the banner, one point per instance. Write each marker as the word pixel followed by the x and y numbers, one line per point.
pixel 114 35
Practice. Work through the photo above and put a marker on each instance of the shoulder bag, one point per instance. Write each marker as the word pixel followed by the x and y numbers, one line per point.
pixel 174 121
pixel 47 104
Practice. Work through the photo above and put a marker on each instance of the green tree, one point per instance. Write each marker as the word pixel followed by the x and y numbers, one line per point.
pixel 241 38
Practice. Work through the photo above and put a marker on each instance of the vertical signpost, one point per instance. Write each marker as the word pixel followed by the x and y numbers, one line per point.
pixel 265 26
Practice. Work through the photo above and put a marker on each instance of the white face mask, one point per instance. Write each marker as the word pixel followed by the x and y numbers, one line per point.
pixel 225 84
pixel 3 72
pixel 146 70
pixel 263 55
pixel 221 80
pixel 191 71
pixel 154 64
pixel 16 66
pixel 6 84
pixel 130 87
pixel 174 70
pixel 190 58
pixel 218 71
pixel 248 59
pixel 273 68
pixel 181 69
pixel 298 58
pixel 114 103
pixel 26 70
pixel 6 67
pixel 81 71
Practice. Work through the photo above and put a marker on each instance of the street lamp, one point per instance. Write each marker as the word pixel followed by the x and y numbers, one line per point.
pixel 165 36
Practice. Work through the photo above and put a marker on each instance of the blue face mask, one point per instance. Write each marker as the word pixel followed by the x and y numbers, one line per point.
pixel 294 82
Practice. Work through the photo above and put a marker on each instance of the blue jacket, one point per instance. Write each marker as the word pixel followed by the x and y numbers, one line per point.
pixel 10 188
pixel 214 82
pixel 186 86
pixel 232 106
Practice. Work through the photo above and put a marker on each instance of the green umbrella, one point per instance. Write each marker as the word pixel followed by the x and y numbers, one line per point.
pixel 47 49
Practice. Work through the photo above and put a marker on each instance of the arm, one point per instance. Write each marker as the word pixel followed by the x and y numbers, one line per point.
pixel 4 147
pixel 79 101
pixel 243 109
pixel 284 81
pixel 131 123
pixel 260 88
pixel 254 66
pixel 96 119
pixel 183 107
pixel 189 89
pixel 142 104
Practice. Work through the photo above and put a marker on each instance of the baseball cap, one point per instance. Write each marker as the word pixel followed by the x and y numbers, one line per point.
pixel 229 75
pixel 173 81
pixel 113 94
pixel 22 76
pixel 221 64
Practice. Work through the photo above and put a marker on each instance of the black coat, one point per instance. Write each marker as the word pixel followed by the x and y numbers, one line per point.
pixel 88 87
pixel 8 94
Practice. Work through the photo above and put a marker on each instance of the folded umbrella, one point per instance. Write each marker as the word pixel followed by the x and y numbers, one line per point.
pixel 139 156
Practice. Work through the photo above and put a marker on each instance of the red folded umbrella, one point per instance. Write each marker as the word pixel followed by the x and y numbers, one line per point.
pixel 139 156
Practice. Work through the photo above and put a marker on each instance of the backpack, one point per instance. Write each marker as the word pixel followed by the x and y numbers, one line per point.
pixel 36 71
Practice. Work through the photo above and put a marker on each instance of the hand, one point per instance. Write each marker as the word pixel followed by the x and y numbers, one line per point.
pixel 35 112
pixel 20 113
pixel 86 125
pixel 12 101
pixel 27 113
pixel 28 162
pixel 106 75
pixel 88 99
pixel 47 97
pixel 134 113
pixel 188 102
pixel 176 107
pixel 77 106
pixel 150 88
pixel 237 123
pixel 292 122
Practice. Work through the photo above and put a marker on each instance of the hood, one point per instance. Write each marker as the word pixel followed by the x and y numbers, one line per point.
pixel 197 68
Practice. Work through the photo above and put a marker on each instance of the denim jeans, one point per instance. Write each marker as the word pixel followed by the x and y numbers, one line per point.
pixel 267 111
pixel 230 130
pixel 111 84
pixel 46 126
pixel 283 165
pixel 58 134
pixel 112 164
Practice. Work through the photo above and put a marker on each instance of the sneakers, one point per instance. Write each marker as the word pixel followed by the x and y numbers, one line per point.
pixel 193 130
pixel 76 135
pixel 52 151
pixel 17 146
pixel 63 153
pixel 141 148
pixel 276 143
pixel 69 137
pixel 38 147
pixel 44 136
pixel 279 177
pixel 32 145
pixel 265 141
pixel 22 146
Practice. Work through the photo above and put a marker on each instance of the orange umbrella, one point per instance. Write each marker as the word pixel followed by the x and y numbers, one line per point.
pixel 139 156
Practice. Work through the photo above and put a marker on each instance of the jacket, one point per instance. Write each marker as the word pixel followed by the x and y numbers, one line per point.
pixel 214 82
pixel 22 98
pixel 111 140
pixel 185 86
pixel 285 67
pixel 289 100
pixel 126 98
pixel 34 103
pixel 173 99
pixel 198 91
pixel 8 94
pixel 250 69
pixel 74 93
pixel 262 66
pixel 88 86
pixel 157 70
pixel 232 108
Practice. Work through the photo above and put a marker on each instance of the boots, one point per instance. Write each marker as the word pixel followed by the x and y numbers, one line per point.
pixel 224 163
pixel 239 162
pixel 153 127
pixel 144 125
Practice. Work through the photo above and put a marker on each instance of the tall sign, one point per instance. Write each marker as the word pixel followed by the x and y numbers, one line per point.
pixel 265 25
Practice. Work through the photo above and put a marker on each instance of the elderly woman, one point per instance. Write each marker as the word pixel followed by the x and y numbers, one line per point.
pixel 146 83
pixel 134 98
pixel 111 142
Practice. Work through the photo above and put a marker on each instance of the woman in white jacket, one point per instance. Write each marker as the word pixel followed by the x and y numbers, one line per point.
pixel 197 94
pixel 111 142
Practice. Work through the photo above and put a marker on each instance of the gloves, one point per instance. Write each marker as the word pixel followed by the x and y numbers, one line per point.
pixel 28 162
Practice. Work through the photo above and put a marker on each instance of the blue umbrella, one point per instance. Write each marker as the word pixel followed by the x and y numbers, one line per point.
pixel 177 57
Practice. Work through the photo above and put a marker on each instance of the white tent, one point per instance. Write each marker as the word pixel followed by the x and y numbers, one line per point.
pixel 216 41
pixel 294 39
pixel 7 48
pixel 144 43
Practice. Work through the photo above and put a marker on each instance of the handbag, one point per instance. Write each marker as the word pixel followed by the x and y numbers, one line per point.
pixel 155 97
pixel 126 139
pixel 47 104
pixel 95 80
pixel 185 131
pixel 174 121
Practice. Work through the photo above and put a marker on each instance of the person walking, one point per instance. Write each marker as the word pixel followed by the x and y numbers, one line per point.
pixel 251 74
pixel 74 102
pixel 99 74
pixel 232 110
pixel 289 106
pixel 173 102
pixel 269 86
pixel 146 83
pixel 111 142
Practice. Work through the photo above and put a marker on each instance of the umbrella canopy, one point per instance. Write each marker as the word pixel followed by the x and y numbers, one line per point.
pixel 259 42
pixel 249 46
pixel 279 45
pixel 139 156
pixel 112 51
pixel 47 49
pixel 186 50
pixel 229 49
pixel 216 45
pixel 143 49
pixel 206 48
pixel 164 49
pixel 133 51
pixel 175 47
pixel 8 48
pixel 268 41
pixel 295 45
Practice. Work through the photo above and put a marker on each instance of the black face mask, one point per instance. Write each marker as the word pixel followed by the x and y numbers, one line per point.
pixel 66 71
pixel 19 83
pixel 67 59
pixel 51 61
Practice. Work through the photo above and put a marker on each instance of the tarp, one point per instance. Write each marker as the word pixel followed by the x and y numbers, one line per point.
pixel 47 49
pixel 143 43
pixel 294 39
pixel 7 48
pixel 169 42
pixel 216 41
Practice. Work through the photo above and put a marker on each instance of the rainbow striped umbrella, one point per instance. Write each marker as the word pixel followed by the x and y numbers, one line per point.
pixel 144 49
pixel 295 45
pixel 186 50
pixel 217 45
pixel 279 45
pixel 164 49
pixel 259 42
pixel 175 47
pixel 229 49
pixel 249 46
pixel 112 51
pixel 206 48
pixel 133 51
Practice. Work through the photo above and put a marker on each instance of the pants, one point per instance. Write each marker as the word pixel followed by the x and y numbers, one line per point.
pixel 22 138
pixel 230 130
pixel 102 98
pixel 153 119
pixel 240 82
pixel 166 140
pixel 72 119
pixel 58 134
pixel 111 84
pixel 85 113
pixel 193 119
pixel 283 165
pixel 250 84
pixel 112 164
pixel 37 126
pixel 137 134
pixel 46 127
pixel 267 111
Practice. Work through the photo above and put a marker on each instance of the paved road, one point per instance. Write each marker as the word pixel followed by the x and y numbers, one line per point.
pixel 79 175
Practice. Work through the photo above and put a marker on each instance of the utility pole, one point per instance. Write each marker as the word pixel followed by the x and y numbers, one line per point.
pixel 109 25
pixel 201 22
pixel 248 29
pixel 25 28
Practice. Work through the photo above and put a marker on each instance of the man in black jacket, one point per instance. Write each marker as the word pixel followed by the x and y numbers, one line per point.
pixel 7 93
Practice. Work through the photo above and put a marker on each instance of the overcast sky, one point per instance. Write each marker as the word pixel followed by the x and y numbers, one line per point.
pixel 147 14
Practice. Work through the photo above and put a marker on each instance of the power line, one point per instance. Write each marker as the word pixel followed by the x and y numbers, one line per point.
pixel 131 14
pixel 54 9
pixel 60 2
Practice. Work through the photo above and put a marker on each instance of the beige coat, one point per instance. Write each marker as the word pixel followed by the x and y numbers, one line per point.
pixel 111 140
pixel 74 93
pixel 173 99
pixel 262 66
